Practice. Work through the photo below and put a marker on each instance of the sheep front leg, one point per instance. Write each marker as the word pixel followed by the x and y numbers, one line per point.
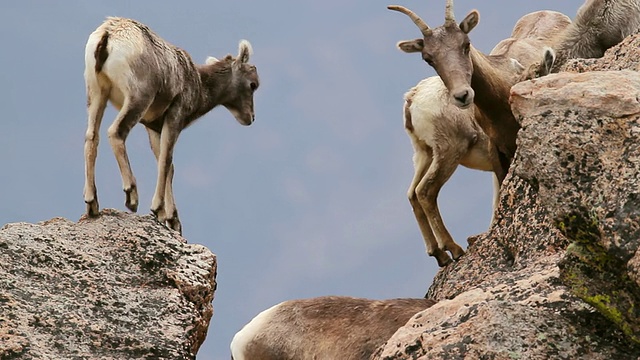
pixel 163 206
pixel 173 221
pixel 428 189
pixel 154 140
pixel 96 106
pixel 422 161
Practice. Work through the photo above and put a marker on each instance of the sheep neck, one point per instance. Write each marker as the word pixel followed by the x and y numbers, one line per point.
pixel 492 98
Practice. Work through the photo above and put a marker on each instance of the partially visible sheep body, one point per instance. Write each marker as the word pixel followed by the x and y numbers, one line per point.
pixel 153 82
pixel 323 328
pixel 443 136
pixel 532 39
pixel 543 25
pixel 599 25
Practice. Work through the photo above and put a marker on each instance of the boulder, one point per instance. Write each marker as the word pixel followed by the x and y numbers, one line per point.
pixel 120 286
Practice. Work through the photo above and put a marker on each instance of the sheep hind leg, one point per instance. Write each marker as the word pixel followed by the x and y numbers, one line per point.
pixel 422 161
pixel 173 221
pixel 97 102
pixel 428 189
pixel 127 118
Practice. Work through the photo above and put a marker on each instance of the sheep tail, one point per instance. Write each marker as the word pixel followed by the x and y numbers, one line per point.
pixel 101 52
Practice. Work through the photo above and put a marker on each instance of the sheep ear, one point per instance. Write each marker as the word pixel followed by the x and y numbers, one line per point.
pixel 211 60
pixel 244 52
pixel 548 60
pixel 470 21
pixel 411 46
pixel 516 65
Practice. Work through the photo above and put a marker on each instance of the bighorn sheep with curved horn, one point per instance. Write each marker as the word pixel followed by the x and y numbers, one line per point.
pixel 153 82
pixel 484 80
pixel 323 328
pixel 445 136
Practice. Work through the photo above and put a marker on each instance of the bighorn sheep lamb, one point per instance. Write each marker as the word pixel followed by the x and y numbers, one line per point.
pixel 442 136
pixel 153 82
pixel 484 80
pixel 323 328
pixel 599 25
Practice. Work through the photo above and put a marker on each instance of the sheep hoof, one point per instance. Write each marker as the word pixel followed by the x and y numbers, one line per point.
pixel 456 251
pixel 175 224
pixel 132 206
pixel 442 257
pixel 93 210
pixel 159 214
pixel 131 201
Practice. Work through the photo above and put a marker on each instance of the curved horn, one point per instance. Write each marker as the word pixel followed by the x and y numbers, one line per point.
pixel 424 28
pixel 449 17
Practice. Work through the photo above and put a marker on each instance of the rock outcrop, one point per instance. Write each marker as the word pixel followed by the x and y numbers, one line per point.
pixel 120 286
pixel 558 274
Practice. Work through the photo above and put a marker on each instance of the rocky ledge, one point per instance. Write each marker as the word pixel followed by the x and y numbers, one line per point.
pixel 119 286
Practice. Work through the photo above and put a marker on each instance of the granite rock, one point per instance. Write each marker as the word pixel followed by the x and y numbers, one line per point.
pixel 120 286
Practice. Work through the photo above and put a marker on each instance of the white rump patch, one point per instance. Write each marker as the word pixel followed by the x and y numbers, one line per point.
pixel 243 337
pixel 211 60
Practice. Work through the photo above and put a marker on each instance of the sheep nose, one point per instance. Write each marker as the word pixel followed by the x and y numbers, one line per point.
pixel 464 97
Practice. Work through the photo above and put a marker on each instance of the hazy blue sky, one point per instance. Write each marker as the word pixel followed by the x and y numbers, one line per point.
pixel 311 199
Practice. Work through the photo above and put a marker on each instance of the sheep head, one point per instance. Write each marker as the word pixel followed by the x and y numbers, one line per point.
pixel 447 49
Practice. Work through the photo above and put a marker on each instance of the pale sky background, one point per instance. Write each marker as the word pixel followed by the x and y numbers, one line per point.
pixel 311 199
